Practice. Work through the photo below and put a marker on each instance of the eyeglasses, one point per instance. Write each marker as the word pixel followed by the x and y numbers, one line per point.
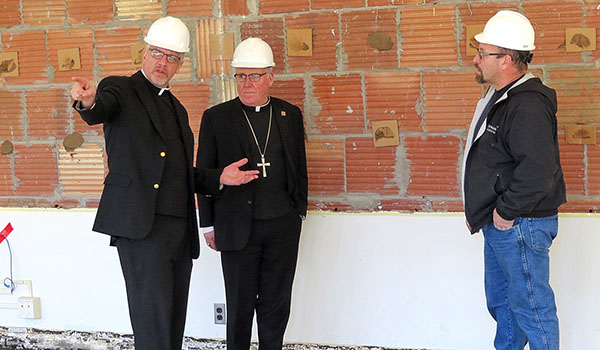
pixel 483 54
pixel 157 54
pixel 254 77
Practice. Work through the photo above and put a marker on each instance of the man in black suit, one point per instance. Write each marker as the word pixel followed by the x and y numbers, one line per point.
pixel 147 205
pixel 256 226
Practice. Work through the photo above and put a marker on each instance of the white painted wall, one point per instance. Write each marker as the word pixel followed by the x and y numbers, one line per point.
pixel 394 280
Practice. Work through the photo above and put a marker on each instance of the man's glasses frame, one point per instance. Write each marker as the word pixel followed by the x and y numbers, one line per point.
pixel 158 55
pixel 254 77
pixel 482 54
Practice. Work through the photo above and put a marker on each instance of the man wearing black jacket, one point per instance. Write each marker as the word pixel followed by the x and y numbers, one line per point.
pixel 147 205
pixel 513 185
pixel 256 226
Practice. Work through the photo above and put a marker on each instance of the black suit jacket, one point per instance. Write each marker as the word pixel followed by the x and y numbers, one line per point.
pixel 224 139
pixel 135 146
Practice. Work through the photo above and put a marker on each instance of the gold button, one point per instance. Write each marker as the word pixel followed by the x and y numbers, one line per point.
pixel 156 186
pixel 163 154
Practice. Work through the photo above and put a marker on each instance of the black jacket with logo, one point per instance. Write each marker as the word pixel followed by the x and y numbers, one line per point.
pixel 514 166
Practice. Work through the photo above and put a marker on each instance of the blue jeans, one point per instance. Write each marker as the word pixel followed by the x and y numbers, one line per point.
pixel 517 288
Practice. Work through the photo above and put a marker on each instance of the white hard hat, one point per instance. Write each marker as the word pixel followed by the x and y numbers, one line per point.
pixel 508 29
pixel 253 53
pixel 169 33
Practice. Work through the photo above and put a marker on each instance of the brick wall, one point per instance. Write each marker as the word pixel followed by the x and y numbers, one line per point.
pixel 425 82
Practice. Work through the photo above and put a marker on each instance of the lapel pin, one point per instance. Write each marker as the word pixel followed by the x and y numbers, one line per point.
pixel 283 113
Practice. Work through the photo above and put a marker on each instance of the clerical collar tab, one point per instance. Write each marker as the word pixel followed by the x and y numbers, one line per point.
pixel 160 89
pixel 258 108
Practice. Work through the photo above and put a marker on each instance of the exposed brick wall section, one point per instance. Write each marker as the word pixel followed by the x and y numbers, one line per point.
pixel 395 95
pixel 271 31
pixel 44 12
pixel 31 48
pixel 7 187
pixel 449 99
pixel 325 33
pixel 325 161
pixel 189 8
pixel 90 12
pixel 424 82
pixel 428 36
pixel 552 18
pixel 370 169
pixel 10 13
pixel 341 105
pixel 434 162
pixel 48 113
pixel 356 27
pixel 36 171
pixel 12 111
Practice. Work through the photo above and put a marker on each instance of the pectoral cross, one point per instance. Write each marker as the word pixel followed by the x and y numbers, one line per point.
pixel 263 165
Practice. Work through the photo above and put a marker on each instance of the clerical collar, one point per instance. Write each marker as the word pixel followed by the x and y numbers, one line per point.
pixel 258 108
pixel 160 89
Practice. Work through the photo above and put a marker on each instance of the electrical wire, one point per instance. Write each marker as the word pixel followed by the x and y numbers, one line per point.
pixel 8 281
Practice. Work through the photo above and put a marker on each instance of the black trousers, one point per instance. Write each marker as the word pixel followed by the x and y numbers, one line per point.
pixel 260 277
pixel 157 272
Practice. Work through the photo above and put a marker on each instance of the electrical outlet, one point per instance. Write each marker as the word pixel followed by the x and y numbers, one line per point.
pixel 29 307
pixel 220 313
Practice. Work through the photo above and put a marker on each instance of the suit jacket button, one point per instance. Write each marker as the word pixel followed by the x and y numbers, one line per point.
pixel 156 186
pixel 163 154
pixel 249 202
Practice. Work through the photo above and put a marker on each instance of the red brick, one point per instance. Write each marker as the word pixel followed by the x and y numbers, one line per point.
pixel 190 8
pixel 572 162
pixel 450 98
pixel 113 47
pixel 206 65
pixel 135 9
pixel 356 27
pixel 44 12
pixel 580 205
pixel 341 105
pixel 325 162
pixel 448 205
pixel 47 113
pixel 271 31
pixel 370 169
pixel 7 187
pixel 195 97
pixel 290 90
pixel 81 172
pixel 593 171
pixel 433 165
pixel 58 204
pixel 328 205
pixel 283 6
pixel 325 36
pixel 90 12
pixel 10 13
pixel 92 203
pixel 336 4
pixel 592 20
pixel 11 112
pixel 405 205
pixel 394 2
pixel 14 202
pixel 578 94
pixel 67 39
pixel 472 14
pixel 549 20
pixel 428 36
pixel 36 170
pixel 395 95
pixel 31 48
pixel 234 7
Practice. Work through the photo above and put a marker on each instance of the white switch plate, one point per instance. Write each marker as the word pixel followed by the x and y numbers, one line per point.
pixel 29 307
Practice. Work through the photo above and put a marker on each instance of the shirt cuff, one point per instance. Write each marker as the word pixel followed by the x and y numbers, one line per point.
pixel 208 229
